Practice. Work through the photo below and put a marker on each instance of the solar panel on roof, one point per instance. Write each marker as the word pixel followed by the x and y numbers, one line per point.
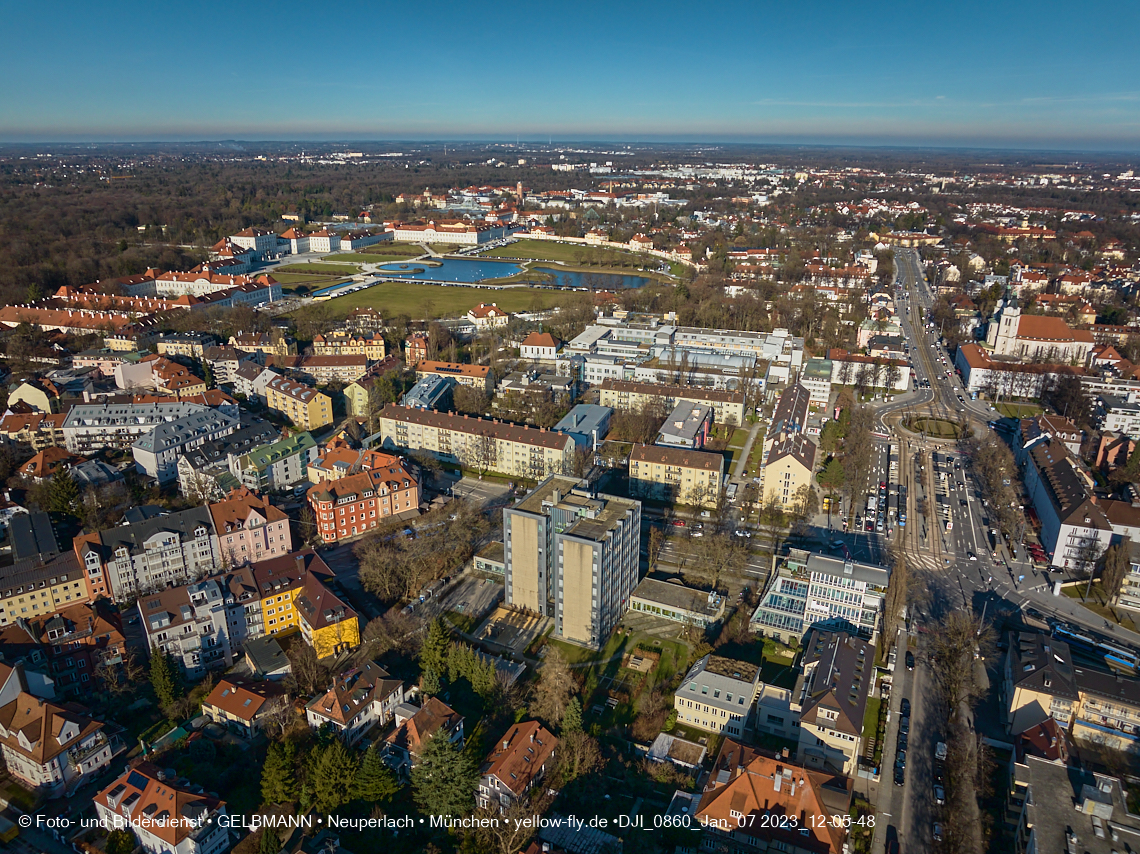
pixel 137 780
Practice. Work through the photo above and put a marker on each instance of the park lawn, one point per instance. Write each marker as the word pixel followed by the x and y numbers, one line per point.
pixel 1018 410
pixel 321 269
pixel 871 718
pixel 413 298
pixel 410 250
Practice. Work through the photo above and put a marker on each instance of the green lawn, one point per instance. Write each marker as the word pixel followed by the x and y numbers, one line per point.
pixel 410 250
pixel 320 269
pixel 1018 410
pixel 430 301
pixel 360 258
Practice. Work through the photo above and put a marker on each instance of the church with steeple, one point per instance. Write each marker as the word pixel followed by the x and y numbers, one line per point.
pixel 1035 337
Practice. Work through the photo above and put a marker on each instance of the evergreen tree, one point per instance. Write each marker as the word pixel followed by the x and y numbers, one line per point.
pixel 429 683
pixel 279 775
pixel 334 773
pixel 444 781
pixel 122 841
pixel 63 495
pixel 572 717
pixel 436 650
pixel 164 678
pixel 270 842
pixel 375 781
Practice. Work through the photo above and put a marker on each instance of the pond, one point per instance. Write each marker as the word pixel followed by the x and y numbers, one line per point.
pixel 459 270
pixel 474 270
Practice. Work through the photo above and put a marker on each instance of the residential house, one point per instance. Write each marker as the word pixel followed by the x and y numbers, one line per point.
pixel 717 695
pixel 485 316
pixel 251 380
pixel 360 502
pixel 748 798
pixel 48 462
pixel 837 675
pixel 416 349
pixel 157 452
pixel 52 748
pixel 249 528
pixel 166 815
pixel 154 550
pixel 278 465
pixel 516 763
pixel 402 746
pixel 322 370
pixel 274 343
pixel 243 706
pixel 303 405
pixel 1074 528
pixel 295 596
pixel 358 699
pixel 788 468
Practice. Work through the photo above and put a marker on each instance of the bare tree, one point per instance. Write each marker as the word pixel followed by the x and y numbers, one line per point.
pixel 895 600
pixel 1117 565
pixel 554 689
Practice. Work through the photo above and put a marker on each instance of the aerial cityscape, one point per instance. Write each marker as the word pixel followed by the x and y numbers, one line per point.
pixel 598 460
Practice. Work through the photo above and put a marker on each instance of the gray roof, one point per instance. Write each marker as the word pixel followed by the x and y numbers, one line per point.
pixel 183 523
pixel 866 572
pixel 586 418
pixel 29 571
pixel 248 436
pixel 676 596
pixel 428 391
pixel 121 414
pixel 683 424
pixel 182 431
pixel 32 536
pixel 94 472
pixel 266 655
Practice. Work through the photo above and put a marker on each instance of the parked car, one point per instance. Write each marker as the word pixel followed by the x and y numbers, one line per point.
pixel 937 831
pixel 904 724
pixel 909 660
pixel 939 795
pixel 904 707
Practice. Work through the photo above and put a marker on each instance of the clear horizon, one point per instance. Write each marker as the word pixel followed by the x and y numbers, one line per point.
pixel 998 76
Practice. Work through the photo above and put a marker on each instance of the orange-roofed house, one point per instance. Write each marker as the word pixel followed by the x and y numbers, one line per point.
pixel 297 239
pixel 360 502
pixel 166 813
pixel 539 346
pixel 249 528
pixel 517 761
pixel 44 465
pixel 486 316
pixel 242 706
pixel 403 744
pixel 51 747
pixel 358 699
pixel 758 803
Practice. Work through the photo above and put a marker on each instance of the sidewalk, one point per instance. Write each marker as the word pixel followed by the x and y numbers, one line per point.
pixel 742 459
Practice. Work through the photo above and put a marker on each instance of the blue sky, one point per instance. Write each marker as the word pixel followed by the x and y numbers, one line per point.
pixel 1002 73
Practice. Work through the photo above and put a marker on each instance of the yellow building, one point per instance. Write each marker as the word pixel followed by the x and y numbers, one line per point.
pixel 728 406
pixel 478 444
pixel 294 595
pixel 679 475
pixel 356 397
pixel 31 589
pixel 789 466
pixel 344 343
pixel 306 407
pixel 475 376
pixel 271 344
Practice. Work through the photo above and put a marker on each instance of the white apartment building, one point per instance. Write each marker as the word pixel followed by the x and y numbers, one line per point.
pixel 717 695
pixel 204 624
pixel 357 699
pixel 324 241
pixel 153 550
pixel 157 453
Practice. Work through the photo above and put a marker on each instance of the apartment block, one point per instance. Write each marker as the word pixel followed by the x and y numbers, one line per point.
pixel 677 475
pixel 572 555
pixel 727 406
pixel 294 596
pixel 201 625
pixel 154 550
pixel 348 343
pixel 322 370
pixel 788 467
pixel 359 502
pixel 278 465
pixel 517 762
pixel 157 453
pixel 474 376
pixel 91 427
pixel 304 406
pixel 477 443
pixel 249 528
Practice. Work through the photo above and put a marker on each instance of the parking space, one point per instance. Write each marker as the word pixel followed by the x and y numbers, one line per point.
pixel 514 630
pixel 481 491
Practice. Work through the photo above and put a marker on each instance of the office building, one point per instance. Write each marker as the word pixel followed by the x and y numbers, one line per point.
pixel 819 591
pixel 572 555
pixel 717 695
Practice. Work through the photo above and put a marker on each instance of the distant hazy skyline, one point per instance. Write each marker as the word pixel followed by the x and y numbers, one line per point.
pixel 997 74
